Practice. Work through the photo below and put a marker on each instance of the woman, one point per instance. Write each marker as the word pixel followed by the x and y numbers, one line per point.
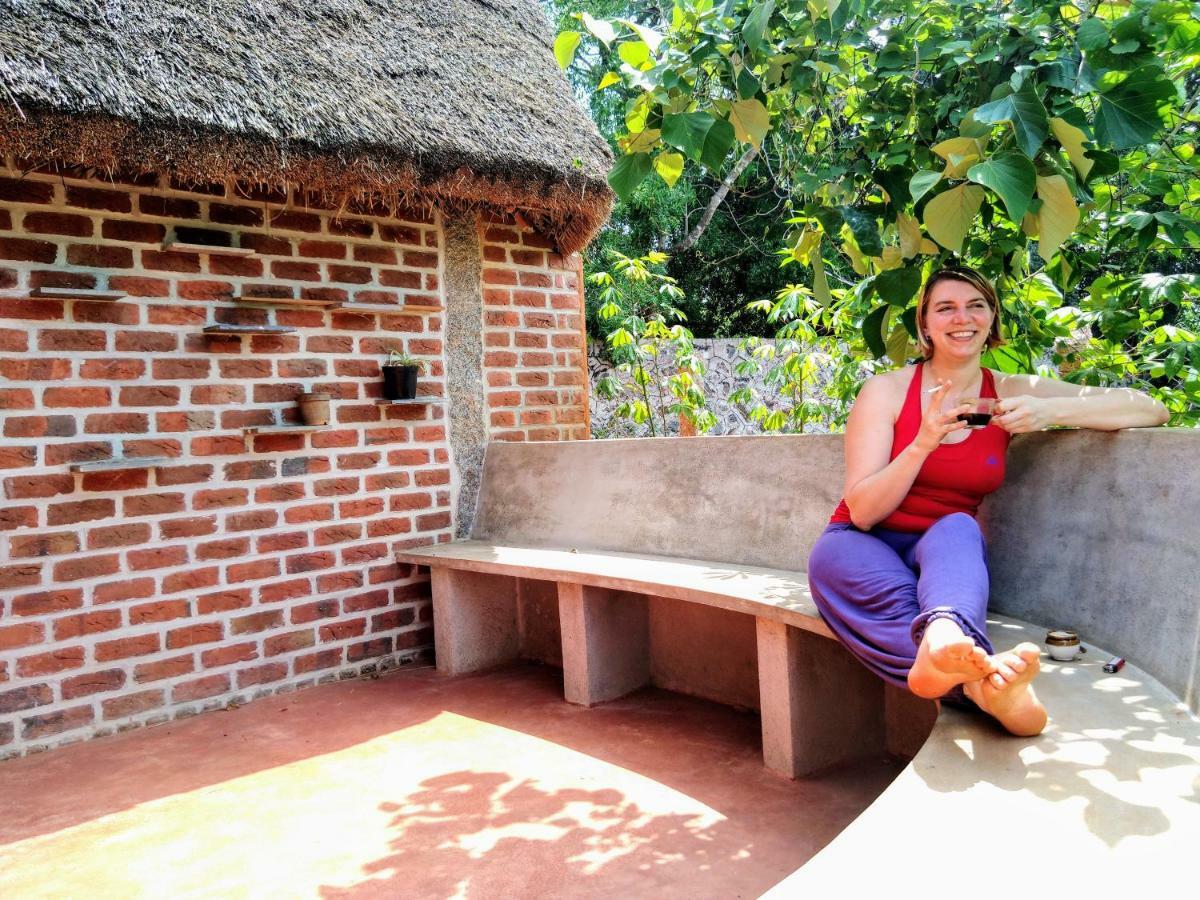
pixel 900 574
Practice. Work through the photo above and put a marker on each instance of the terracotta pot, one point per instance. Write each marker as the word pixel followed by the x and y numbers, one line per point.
pixel 400 382
pixel 314 408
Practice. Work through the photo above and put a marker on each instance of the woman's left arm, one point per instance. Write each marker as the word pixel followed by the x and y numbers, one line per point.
pixel 1032 403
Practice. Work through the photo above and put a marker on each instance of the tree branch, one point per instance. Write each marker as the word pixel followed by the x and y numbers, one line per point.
pixel 718 196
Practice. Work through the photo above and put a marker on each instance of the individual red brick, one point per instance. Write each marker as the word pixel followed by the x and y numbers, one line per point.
pixel 278 443
pixel 222 601
pixel 376 647
pixel 279 493
pixel 205 290
pixel 311 612
pixel 27 486
pixel 296 271
pixel 159 611
pixel 74 339
pixel 261 621
pixel 25 698
pixel 24 635
pixel 400 279
pixel 195 369
pixel 83 451
pixel 17 457
pixel 252 571
pixel 27 251
pixel 165 668
pixel 25 546
pixel 100 256
pixel 218 446
pixel 288 643
pixel 385 527
pixel 262 674
pixel 229 548
pixel 56 722
pixel 57 223
pixel 48 663
pixel 291 220
pixel 132 704
pixel 369 600
pixel 314 662
pixel 169 207
pixel 44 602
pixel 169 261
pixel 241 267
pixel 20 190
pixel 180 528
pixel 76 396
pixel 92 683
pixel 350 274
pixel 152 504
pixel 96 198
pixel 126 480
pixel 146 342
pixel 87 567
pixel 80 511
pixel 224 656
pixel 277 543
pixel 252 521
pixel 322 249
pixel 116 423
pixel 339 581
pixel 157 558
pixel 179 316
pixel 191 635
pixel 133 232
pixel 340 631
pixel 220 498
pixel 191 580
pixel 280 591
pixel 267 245
pixel 363 553
pixel 200 688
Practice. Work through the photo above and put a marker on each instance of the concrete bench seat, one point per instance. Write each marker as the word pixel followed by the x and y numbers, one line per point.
pixel 680 564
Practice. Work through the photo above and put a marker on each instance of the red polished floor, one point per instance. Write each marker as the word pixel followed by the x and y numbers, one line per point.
pixel 414 785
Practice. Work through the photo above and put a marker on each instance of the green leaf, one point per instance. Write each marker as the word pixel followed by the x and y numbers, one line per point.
pixel 565 46
pixel 1092 35
pixel 898 286
pixel 1057 216
pixel 609 79
pixel 628 173
pixel 1132 112
pixel 636 53
pixel 1011 176
pixel 716 144
pixel 820 282
pixel 874 327
pixel 747 84
pixel 921 182
pixel 755 28
pixel 865 231
pixel 1072 140
pixel 897 345
pixel 669 166
pixel 1025 111
pixel 949 215
pixel 600 28
pixel 687 131
pixel 649 36
pixel 750 121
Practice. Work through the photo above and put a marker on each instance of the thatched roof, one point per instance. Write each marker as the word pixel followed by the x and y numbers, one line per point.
pixel 450 100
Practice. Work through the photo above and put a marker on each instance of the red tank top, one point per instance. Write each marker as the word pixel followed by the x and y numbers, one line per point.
pixel 954 477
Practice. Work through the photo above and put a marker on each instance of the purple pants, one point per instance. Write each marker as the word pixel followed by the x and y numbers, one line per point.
pixel 879 589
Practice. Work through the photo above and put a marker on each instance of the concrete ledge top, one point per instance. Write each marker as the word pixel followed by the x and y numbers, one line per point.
pixel 770 593
pixel 1104 799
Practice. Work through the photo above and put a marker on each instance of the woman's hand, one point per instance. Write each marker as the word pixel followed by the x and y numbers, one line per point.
pixel 936 423
pixel 1024 413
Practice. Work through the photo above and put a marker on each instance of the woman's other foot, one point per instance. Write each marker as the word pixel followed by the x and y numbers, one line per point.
pixel 1007 693
pixel 947 657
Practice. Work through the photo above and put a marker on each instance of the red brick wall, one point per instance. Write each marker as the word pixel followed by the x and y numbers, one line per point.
pixel 534 359
pixel 247 564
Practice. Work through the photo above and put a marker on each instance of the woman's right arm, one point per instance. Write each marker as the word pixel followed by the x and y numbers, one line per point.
pixel 875 488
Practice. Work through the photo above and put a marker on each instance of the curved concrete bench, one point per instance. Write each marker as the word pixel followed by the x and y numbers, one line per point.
pixel 569 536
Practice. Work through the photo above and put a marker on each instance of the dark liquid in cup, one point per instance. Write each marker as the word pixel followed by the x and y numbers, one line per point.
pixel 975 420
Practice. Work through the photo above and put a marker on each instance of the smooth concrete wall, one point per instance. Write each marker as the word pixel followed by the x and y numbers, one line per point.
pixel 1093 530
pixel 704 652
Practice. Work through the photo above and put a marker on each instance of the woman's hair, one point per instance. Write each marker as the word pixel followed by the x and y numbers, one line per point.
pixel 977 281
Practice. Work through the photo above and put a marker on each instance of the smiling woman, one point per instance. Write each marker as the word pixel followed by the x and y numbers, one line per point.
pixel 900 574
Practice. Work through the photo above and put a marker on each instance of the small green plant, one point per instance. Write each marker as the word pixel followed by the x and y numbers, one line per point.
pixel 638 300
pixel 399 358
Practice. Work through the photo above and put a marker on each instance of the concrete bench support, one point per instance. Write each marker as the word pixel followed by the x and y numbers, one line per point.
pixel 476 618
pixel 605 642
pixel 819 706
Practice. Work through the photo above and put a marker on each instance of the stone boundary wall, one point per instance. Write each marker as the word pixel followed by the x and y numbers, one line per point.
pixel 250 561
pixel 720 357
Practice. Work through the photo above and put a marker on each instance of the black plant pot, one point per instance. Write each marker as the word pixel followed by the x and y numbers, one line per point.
pixel 400 382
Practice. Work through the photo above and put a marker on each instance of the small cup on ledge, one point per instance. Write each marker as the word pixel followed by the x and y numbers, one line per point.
pixel 981 412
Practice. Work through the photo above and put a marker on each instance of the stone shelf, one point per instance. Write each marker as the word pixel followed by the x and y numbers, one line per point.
pixel 290 301
pixel 427 400
pixel 419 309
pixel 51 293
pixel 281 429
pixel 219 330
pixel 174 247
pixel 137 462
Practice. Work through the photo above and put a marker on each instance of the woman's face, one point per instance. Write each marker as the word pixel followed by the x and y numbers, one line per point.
pixel 958 319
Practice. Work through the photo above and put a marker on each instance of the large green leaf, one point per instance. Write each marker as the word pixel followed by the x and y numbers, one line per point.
pixel 898 286
pixel 1132 112
pixel 756 24
pixel 898 344
pixel 687 131
pixel 1011 176
pixel 1092 35
pixel 750 121
pixel 716 144
pixel 669 166
pixel 1025 111
pixel 628 173
pixel 636 53
pixel 949 215
pixel 874 327
pixel 921 182
pixel 565 46
pixel 865 231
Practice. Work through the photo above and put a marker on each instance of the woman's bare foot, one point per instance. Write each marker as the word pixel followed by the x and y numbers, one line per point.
pixel 1007 693
pixel 946 657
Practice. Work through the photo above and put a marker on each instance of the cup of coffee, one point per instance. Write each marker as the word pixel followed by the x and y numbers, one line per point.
pixel 981 411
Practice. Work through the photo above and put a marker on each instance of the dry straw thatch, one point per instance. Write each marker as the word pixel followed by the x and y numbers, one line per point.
pixel 457 102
